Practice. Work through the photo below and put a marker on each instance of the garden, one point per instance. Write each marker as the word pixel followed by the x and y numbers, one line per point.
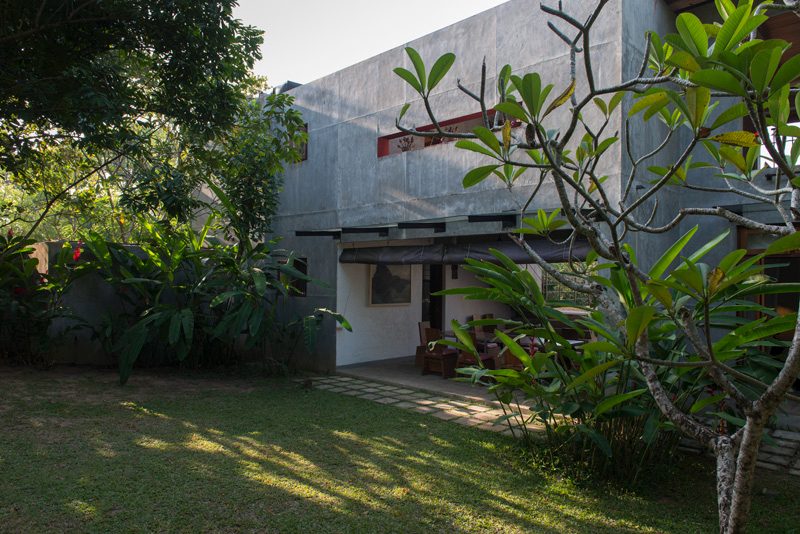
pixel 115 132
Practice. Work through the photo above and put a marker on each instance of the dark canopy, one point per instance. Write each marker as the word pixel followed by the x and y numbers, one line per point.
pixel 458 254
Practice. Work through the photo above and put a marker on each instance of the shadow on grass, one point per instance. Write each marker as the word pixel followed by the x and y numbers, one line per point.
pixel 275 458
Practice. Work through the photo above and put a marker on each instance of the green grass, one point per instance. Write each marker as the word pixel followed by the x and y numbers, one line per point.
pixel 174 454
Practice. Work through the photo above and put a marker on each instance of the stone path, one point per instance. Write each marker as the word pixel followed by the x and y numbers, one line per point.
pixel 439 406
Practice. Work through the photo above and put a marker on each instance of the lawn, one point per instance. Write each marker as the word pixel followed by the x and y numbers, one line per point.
pixel 170 453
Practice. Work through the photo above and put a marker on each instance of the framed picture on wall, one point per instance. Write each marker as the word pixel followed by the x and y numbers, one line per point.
pixel 389 285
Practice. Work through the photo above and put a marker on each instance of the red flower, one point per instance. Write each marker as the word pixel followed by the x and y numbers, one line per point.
pixel 77 253
pixel 10 233
pixel 19 291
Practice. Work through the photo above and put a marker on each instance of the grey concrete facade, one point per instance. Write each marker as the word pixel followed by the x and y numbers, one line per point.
pixel 345 184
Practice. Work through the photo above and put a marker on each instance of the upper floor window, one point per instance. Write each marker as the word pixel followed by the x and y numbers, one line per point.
pixel 389 145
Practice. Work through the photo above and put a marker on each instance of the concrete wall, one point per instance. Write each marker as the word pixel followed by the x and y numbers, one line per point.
pixel 344 183
pixel 379 332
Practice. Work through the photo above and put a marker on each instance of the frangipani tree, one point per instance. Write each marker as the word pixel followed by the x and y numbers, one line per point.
pixel 697 82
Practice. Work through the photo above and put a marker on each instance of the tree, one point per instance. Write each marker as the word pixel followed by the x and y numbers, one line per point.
pixel 678 79
pixel 111 79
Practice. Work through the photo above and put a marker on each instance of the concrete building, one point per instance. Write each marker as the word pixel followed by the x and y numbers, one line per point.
pixel 368 199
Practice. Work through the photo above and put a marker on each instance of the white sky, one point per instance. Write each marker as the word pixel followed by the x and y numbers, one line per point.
pixel 308 39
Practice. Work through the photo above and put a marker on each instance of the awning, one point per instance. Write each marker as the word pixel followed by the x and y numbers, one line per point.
pixel 458 254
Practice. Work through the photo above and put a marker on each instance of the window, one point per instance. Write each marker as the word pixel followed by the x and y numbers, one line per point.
pixel 396 143
pixel 552 289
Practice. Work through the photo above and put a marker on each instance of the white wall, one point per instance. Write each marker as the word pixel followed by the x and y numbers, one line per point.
pixel 379 332
pixel 461 310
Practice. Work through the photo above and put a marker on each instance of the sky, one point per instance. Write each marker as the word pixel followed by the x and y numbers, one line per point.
pixel 308 39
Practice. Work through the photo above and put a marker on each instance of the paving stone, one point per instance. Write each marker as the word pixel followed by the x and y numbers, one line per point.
pixel 339 390
pixel 459 403
pixel 484 416
pixel 404 391
pixel 771 467
pixel 492 428
pixel 445 415
pixel 424 402
pixel 459 412
pixel 369 396
pixel 371 390
pixel 422 409
pixel 324 386
pixel 406 404
pixel 419 395
pixel 386 400
pixel 785 434
pixel 387 388
pixel 346 379
pixel 478 408
pixel 468 421
pixel 443 406
pixel 353 392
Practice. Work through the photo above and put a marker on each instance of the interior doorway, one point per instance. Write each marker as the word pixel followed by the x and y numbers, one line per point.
pixel 432 305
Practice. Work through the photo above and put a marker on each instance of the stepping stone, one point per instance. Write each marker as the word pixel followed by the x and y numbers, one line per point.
pixel 386 400
pixel 353 392
pixel 370 396
pixel 468 421
pixel 324 386
pixel 446 416
pixel 338 390
pixel 371 390
pixel 421 409
pixel 478 408
pixel 406 404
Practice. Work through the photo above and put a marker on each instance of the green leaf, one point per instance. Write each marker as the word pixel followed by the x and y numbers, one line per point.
pixel 602 346
pixel 669 256
pixel 788 243
pixel 529 88
pixel 657 100
pixel 697 100
pixel 788 72
pixel 736 421
pixel 488 138
pixel 310 333
pixel 403 111
pixel 472 146
pixel 259 281
pixel 476 176
pixel 409 78
pixel 615 100
pixel 718 80
pixel 600 441
pixel 610 402
pixel 515 349
pixel 513 109
pixel 591 373
pixel 730 27
pixel 439 70
pixel 734 112
pixel 763 67
pixel 702 403
pixel 694 35
pixel 419 66
pixel 683 60
pixel 637 322
pixel 174 328
pixel 187 320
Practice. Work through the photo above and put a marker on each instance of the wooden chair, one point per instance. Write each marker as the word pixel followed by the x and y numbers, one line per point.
pixel 439 359
pixel 487 354
pixel 423 343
